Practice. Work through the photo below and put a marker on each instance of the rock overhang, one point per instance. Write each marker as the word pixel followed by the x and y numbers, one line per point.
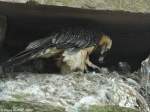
pixel 129 31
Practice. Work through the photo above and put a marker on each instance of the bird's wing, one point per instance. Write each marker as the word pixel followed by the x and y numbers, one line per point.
pixel 75 39
pixel 64 39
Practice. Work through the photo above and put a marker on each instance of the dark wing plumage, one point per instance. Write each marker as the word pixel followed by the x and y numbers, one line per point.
pixel 68 38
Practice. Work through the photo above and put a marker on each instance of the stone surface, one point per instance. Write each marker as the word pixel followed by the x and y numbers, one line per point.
pixel 126 5
pixel 3 25
pixel 73 92
pixel 145 78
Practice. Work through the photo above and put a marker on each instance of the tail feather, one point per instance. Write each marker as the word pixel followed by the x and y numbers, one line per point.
pixel 17 60
pixel 20 58
pixel 24 56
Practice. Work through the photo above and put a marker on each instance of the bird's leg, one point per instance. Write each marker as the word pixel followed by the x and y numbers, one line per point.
pixel 90 64
pixel 86 70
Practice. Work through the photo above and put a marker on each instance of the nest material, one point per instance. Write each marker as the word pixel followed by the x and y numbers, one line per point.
pixel 73 91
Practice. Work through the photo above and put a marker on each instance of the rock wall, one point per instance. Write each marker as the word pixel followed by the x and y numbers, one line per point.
pixel 61 93
pixel 126 5
pixel 3 26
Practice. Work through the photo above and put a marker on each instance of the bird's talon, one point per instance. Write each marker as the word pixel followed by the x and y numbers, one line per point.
pixel 97 69
pixel 86 71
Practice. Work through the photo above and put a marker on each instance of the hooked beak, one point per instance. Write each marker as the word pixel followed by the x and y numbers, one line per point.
pixel 101 59
pixel 102 54
pixel 104 49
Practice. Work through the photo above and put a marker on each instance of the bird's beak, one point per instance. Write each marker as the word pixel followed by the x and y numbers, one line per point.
pixel 103 49
pixel 101 59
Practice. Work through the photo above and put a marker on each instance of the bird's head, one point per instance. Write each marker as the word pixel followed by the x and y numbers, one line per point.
pixel 105 44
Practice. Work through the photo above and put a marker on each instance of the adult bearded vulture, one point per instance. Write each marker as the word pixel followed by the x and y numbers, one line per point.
pixel 72 45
